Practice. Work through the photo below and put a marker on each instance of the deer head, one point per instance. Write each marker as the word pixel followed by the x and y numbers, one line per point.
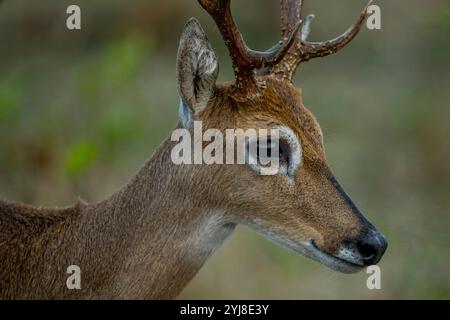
pixel 302 206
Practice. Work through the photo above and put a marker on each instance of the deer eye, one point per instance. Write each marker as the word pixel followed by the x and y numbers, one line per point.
pixel 278 153
pixel 269 151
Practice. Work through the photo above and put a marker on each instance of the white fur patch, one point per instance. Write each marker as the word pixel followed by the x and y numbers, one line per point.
pixel 210 235
pixel 296 153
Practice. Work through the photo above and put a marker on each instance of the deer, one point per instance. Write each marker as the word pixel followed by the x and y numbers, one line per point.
pixel 149 239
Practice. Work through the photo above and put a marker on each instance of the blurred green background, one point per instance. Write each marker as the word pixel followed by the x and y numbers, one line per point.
pixel 80 112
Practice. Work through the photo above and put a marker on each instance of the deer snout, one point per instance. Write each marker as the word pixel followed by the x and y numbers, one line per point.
pixel 371 246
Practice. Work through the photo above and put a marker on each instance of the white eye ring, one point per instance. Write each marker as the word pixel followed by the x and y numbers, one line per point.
pixel 295 147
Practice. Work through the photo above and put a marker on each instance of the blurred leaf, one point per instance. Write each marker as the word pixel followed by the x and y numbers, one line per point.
pixel 10 98
pixel 80 157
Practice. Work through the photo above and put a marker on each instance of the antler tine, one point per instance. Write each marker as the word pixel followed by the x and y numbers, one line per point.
pixel 245 60
pixel 321 49
pixel 291 11
pixel 303 50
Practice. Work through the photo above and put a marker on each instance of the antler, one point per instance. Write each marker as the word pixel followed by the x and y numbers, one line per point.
pixel 246 61
pixel 303 50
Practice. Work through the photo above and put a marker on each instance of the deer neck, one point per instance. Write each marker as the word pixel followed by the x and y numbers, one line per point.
pixel 157 228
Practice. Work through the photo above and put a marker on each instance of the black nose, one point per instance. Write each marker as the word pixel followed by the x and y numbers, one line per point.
pixel 372 247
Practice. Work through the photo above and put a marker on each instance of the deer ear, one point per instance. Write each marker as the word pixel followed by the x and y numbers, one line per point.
pixel 197 67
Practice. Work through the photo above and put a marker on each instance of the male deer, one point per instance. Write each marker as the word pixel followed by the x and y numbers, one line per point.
pixel 149 239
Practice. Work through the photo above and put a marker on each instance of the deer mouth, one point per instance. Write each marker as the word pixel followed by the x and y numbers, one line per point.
pixel 338 263
pixel 348 260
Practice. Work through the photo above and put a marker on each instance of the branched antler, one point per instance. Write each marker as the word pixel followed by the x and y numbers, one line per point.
pixel 245 60
pixel 283 59
pixel 303 50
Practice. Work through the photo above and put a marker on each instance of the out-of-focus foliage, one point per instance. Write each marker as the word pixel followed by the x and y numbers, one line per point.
pixel 80 111
pixel 10 96
pixel 80 157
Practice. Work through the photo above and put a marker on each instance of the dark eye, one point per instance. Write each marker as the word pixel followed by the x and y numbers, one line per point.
pixel 285 151
pixel 265 151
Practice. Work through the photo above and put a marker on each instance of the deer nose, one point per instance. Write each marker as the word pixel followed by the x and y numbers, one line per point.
pixel 372 247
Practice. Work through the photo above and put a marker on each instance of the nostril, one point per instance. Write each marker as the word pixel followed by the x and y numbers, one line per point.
pixel 372 248
pixel 367 250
